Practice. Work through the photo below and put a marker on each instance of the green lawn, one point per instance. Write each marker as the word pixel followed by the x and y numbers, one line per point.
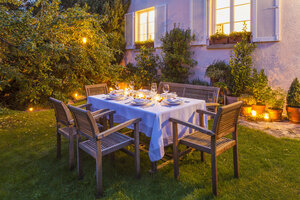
pixel 269 168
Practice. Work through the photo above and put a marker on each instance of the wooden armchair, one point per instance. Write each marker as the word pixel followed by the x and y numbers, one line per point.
pixel 208 93
pixel 65 127
pixel 212 141
pixel 96 89
pixel 99 144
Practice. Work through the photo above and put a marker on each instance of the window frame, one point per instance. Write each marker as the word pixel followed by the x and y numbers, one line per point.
pixel 231 17
pixel 137 24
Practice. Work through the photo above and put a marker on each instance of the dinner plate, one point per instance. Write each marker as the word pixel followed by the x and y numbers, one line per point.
pixel 173 101
pixel 115 97
pixel 140 102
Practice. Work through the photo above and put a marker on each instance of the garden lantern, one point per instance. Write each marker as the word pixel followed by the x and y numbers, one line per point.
pixel 84 40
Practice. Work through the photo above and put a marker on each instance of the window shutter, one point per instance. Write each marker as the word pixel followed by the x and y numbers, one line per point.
pixel 129 30
pixel 160 24
pixel 265 20
pixel 198 20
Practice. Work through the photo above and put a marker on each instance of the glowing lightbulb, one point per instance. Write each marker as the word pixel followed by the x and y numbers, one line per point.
pixel 76 95
pixel 266 116
pixel 253 113
pixel 84 40
pixel 30 109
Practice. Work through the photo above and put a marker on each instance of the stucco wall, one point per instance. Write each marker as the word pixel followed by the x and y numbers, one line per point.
pixel 280 60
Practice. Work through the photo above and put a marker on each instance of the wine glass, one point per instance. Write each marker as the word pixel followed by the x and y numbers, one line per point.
pixel 154 88
pixel 117 85
pixel 131 85
pixel 166 88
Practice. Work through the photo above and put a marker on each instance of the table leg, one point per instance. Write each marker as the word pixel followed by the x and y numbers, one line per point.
pixel 153 167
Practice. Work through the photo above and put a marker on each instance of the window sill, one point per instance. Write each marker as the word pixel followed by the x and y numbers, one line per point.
pixel 220 46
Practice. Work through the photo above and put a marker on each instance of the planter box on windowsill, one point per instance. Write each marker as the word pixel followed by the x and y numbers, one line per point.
pixel 147 44
pixel 218 41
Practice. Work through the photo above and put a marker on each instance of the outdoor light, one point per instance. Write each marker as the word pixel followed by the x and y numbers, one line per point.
pixel 111 89
pixel 84 40
pixel 253 113
pixel 76 95
pixel 141 95
pixel 126 92
pixel 30 109
pixel 157 98
pixel 266 116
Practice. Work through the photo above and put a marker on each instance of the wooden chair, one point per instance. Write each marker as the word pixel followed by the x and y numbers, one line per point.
pixel 208 93
pixel 96 89
pixel 99 144
pixel 212 141
pixel 65 127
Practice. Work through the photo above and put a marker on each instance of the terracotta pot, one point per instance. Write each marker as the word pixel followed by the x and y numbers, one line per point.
pixel 275 115
pixel 246 110
pixel 233 41
pixel 294 114
pixel 219 41
pixel 260 109
pixel 231 99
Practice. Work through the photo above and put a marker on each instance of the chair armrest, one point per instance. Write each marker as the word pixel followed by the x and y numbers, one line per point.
pixel 103 114
pixel 206 112
pixel 117 128
pixel 86 106
pixel 193 126
pixel 212 104
pixel 99 111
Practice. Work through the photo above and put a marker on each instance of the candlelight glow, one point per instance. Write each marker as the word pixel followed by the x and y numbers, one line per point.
pixel 157 97
pixel 126 92
pixel 141 95
pixel 30 109
pixel 111 89
pixel 253 113
pixel 75 95
pixel 84 40
pixel 266 116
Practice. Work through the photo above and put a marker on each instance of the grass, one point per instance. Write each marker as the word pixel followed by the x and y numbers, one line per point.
pixel 269 168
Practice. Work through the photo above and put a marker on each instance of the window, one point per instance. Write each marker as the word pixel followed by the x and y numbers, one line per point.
pixel 145 25
pixel 230 15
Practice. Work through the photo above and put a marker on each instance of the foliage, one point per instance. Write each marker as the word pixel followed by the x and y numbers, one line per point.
pixel 44 54
pixel 240 64
pixel 238 35
pixel 145 71
pixel 113 26
pixel 147 44
pixel 218 36
pixel 177 55
pixel 199 82
pixel 247 99
pixel 277 99
pixel 219 70
pixel 260 88
pixel 293 96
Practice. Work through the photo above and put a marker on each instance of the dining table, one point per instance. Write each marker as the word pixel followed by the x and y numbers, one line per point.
pixel 155 118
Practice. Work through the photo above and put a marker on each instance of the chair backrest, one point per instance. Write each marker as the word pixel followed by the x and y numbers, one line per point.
pixel 96 89
pixel 226 119
pixel 62 113
pixel 208 93
pixel 84 122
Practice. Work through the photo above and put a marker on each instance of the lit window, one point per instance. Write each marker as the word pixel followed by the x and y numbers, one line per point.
pixel 225 22
pixel 145 25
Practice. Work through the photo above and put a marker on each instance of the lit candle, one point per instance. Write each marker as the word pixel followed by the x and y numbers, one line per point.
pixel 111 89
pixel 75 95
pixel 126 92
pixel 253 113
pixel 266 116
pixel 141 95
pixel 156 97
pixel 30 109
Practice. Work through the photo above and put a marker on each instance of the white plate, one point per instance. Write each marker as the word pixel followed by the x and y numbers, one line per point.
pixel 140 102
pixel 173 101
pixel 115 97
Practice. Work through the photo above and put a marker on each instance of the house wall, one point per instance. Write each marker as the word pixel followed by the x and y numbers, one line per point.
pixel 280 60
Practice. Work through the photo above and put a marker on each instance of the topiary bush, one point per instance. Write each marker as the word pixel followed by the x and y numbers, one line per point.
pixel 293 96
pixel 260 88
pixel 218 71
pixel 177 55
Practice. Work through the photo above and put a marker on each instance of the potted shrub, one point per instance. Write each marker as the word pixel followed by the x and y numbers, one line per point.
pixel 261 91
pixel 293 102
pixel 218 38
pixel 219 70
pixel 275 104
pixel 235 37
pixel 248 101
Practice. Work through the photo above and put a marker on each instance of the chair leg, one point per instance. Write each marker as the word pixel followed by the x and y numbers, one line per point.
pixel 175 150
pixel 58 145
pixel 236 161
pixel 71 152
pixel 202 156
pixel 79 161
pixel 214 174
pixel 99 174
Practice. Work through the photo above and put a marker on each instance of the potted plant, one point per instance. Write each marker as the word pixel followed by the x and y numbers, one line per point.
pixel 248 101
pixel 293 102
pixel 235 37
pixel 261 91
pixel 218 38
pixel 218 71
pixel 147 44
pixel 275 104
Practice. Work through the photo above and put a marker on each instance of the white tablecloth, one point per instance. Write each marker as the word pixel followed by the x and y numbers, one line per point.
pixel 155 119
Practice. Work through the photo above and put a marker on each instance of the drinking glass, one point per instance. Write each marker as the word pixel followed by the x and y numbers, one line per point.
pixel 166 88
pixel 154 88
pixel 117 85
pixel 131 85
